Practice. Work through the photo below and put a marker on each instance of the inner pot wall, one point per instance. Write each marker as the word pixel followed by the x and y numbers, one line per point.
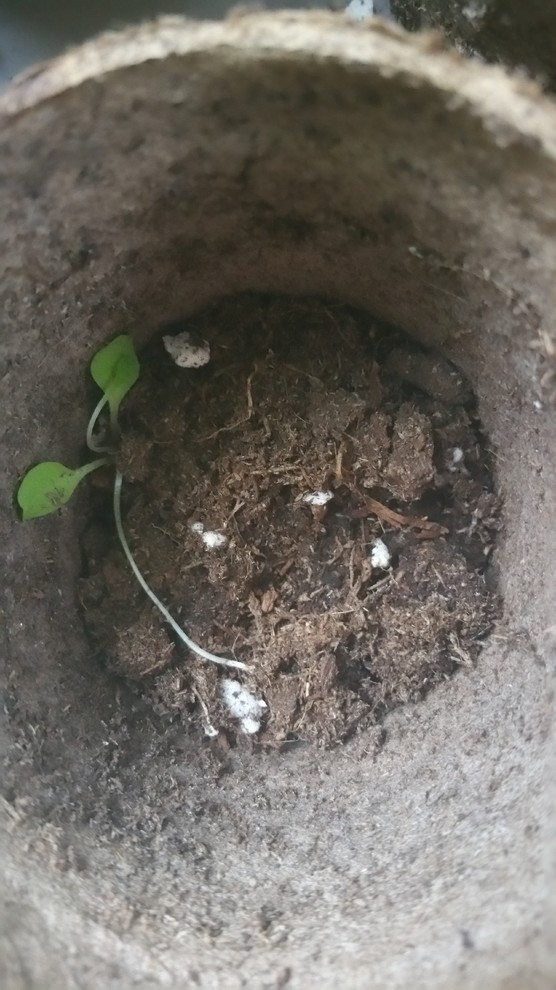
pixel 143 176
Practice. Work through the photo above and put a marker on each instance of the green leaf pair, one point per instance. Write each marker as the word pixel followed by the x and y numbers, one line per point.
pixel 49 485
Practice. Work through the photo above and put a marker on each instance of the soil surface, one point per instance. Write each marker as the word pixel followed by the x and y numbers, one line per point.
pixel 341 472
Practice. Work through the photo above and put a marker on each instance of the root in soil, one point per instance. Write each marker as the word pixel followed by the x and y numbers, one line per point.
pixel 300 397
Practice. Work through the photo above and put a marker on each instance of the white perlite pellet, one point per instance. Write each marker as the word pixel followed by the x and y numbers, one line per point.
pixel 317 498
pixel 184 352
pixel 380 555
pixel 242 705
pixel 212 539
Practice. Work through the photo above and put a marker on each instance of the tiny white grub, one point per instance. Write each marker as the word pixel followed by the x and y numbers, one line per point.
pixel 380 555
pixel 317 498
pixel 360 10
pixel 242 705
pixel 214 540
pixel 185 352
pixel 197 527
pixel 210 731
pixel 457 455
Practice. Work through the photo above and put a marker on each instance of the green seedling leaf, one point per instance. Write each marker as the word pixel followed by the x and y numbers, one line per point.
pixel 115 369
pixel 48 486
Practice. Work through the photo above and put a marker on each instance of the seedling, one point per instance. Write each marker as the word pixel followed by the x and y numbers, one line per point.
pixel 49 485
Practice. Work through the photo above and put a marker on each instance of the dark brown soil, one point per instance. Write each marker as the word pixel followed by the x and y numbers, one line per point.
pixel 299 397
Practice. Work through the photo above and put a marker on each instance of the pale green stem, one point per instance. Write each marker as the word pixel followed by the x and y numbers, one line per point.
pixel 114 425
pixel 92 466
pixel 162 608
pixel 91 442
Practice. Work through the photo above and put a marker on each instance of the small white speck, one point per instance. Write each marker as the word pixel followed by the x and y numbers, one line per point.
pixel 360 10
pixel 213 540
pixel 457 455
pixel 317 498
pixel 210 731
pixel 537 404
pixel 475 12
pixel 380 555
pixel 242 705
pixel 185 353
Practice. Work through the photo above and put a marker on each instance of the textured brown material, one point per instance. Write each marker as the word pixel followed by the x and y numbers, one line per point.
pixel 140 177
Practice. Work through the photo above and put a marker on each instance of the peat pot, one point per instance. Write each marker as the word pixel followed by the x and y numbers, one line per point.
pixel 145 175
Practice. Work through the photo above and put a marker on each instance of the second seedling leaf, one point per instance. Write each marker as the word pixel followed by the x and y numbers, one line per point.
pixel 115 369
pixel 48 486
